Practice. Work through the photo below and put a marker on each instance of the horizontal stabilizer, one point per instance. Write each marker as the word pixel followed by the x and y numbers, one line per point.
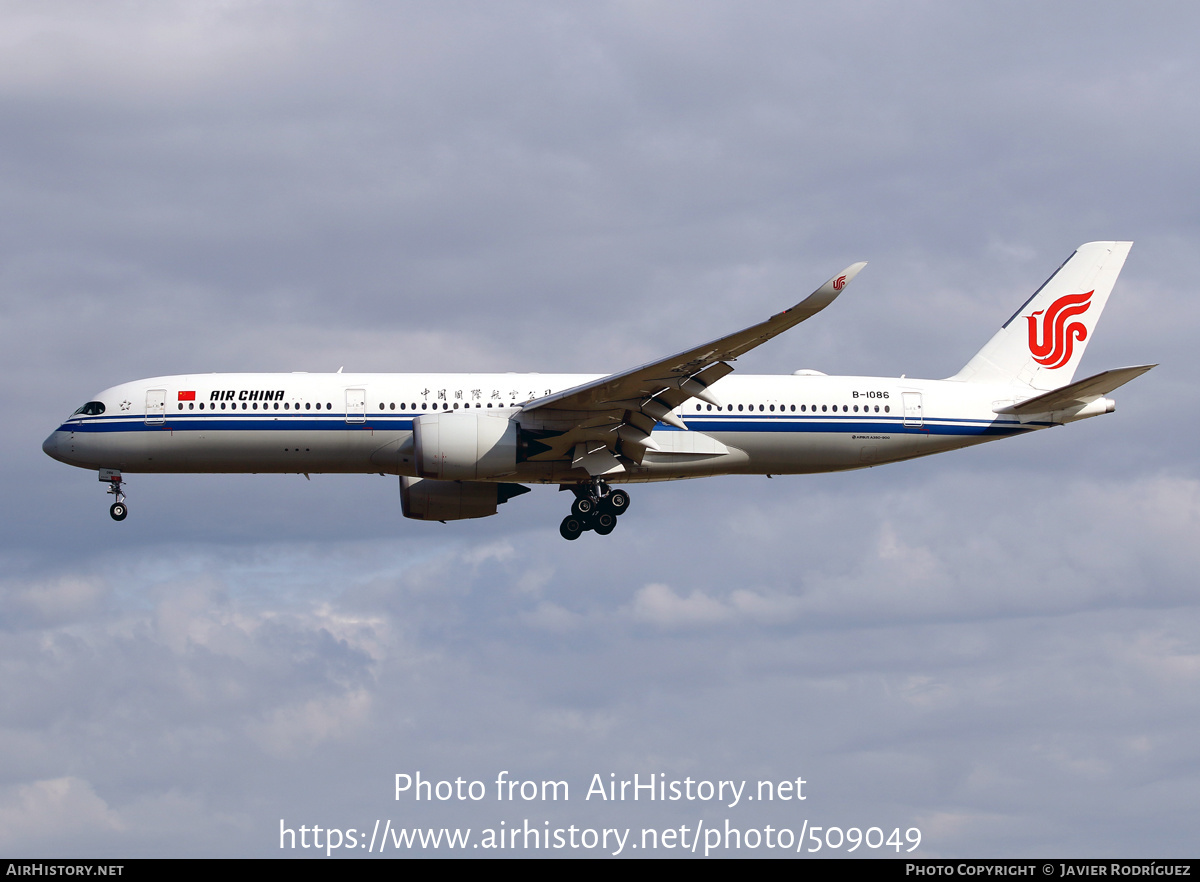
pixel 1082 392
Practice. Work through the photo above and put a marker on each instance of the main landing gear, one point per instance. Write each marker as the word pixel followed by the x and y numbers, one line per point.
pixel 118 510
pixel 596 507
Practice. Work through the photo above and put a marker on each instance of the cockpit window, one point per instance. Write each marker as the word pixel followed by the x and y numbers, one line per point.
pixel 92 408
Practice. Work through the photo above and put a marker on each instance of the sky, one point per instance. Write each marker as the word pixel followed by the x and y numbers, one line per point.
pixel 996 647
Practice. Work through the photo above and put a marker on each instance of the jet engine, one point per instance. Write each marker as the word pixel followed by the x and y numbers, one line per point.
pixel 464 446
pixel 426 500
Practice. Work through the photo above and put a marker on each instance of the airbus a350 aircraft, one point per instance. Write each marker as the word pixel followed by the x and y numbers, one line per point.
pixel 463 444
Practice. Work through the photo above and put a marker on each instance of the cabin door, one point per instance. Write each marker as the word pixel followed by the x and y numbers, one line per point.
pixel 914 415
pixel 156 406
pixel 356 405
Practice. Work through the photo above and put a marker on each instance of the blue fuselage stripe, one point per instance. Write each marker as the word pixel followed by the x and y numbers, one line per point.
pixel 404 423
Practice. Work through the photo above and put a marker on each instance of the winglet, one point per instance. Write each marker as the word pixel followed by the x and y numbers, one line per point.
pixel 827 293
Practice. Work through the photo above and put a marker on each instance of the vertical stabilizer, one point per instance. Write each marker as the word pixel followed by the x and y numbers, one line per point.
pixel 1041 345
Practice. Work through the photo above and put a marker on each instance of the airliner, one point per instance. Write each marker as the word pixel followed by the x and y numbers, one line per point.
pixel 463 444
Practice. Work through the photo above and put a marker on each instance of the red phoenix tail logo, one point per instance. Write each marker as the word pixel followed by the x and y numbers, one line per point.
pixel 1057 341
pixel 839 283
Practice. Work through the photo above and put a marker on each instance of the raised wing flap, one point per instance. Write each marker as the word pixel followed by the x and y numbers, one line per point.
pixel 1081 392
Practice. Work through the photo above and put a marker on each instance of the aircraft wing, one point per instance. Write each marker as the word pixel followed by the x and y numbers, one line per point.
pixel 1081 392
pixel 615 414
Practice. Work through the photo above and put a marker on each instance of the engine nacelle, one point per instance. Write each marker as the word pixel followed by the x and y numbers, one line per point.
pixel 425 500
pixel 464 446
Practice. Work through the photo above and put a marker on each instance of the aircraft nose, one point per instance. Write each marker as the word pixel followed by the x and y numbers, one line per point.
pixel 50 445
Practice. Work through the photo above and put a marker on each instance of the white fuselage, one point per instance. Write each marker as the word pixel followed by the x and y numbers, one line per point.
pixel 463 444
pixel 312 423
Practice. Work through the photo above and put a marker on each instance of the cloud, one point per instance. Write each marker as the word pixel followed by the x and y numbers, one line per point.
pixel 294 731
pixel 54 601
pixel 147 52
pixel 37 815
pixel 660 605
pixel 552 617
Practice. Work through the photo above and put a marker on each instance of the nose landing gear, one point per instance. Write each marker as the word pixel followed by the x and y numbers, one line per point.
pixel 596 507
pixel 118 510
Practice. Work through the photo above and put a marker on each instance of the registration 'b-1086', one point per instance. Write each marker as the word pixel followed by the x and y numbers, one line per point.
pixel 463 444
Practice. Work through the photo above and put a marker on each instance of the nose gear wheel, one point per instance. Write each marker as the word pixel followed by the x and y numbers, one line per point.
pixel 118 511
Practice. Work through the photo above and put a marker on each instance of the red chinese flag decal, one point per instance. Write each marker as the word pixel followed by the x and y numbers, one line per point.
pixel 187 396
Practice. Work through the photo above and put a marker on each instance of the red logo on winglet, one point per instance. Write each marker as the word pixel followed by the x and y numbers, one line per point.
pixel 1057 342
pixel 839 283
